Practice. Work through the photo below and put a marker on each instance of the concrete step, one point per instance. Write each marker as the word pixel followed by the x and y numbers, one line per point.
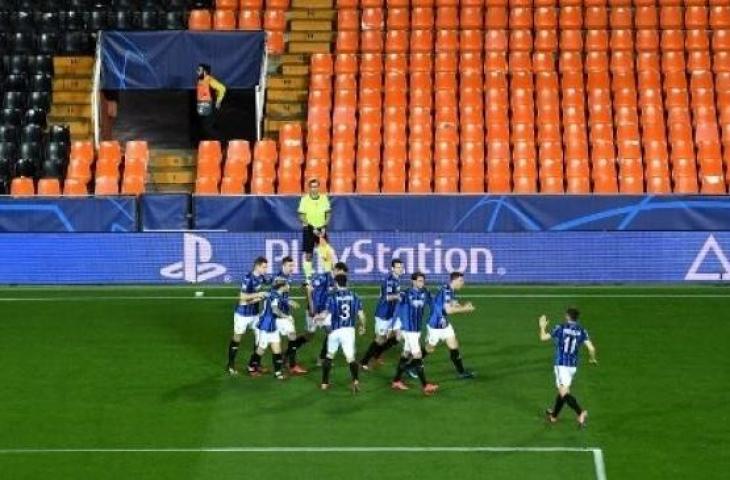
pixel 295 70
pixel 72 85
pixel 311 4
pixel 312 14
pixel 309 47
pixel 310 26
pixel 292 95
pixel 71 98
pixel 176 177
pixel 279 110
pixel 171 187
pixel 294 58
pixel 311 36
pixel 75 111
pixel 73 66
pixel 287 82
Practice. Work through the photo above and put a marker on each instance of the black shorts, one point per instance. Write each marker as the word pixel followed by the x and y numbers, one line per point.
pixel 309 239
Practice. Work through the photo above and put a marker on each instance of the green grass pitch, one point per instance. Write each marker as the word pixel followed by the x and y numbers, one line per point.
pixel 142 368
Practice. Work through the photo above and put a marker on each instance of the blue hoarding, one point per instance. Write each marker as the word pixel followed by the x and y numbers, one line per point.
pixel 560 257
pixel 167 60
pixel 92 214
pixel 472 213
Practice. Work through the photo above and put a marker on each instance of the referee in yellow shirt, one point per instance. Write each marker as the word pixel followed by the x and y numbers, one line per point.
pixel 314 212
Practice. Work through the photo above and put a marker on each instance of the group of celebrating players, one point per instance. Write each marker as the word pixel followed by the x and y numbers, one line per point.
pixel 399 317
pixel 338 311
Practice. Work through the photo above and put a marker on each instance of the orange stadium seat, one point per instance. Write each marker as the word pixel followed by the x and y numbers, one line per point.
pixel 22 187
pixel 249 19
pixel 200 20
pixel 224 20
pixel 74 187
pixel 106 185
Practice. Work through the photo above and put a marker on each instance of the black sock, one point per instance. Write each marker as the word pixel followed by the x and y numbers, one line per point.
pixel 323 352
pixel 255 361
pixel 354 371
pixel 559 402
pixel 424 352
pixel 403 363
pixel 371 352
pixel 278 362
pixel 387 345
pixel 456 360
pixel 291 350
pixel 418 365
pixel 232 351
pixel 573 403
pixel 326 367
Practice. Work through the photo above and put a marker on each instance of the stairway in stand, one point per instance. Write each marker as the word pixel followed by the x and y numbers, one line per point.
pixel 72 84
pixel 171 171
pixel 309 30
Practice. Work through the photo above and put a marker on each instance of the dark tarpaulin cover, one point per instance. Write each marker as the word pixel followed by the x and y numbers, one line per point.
pixel 168 59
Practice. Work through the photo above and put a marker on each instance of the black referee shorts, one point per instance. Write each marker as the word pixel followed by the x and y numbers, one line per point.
pixel 309 239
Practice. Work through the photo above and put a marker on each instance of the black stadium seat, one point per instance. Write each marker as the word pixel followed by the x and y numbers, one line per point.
pixel 73 20
pixel 8 151
pixel 60 134
pixel 11 116
pixel 49 21
pixel 52 169
pixel 14 100
pixel 22 42
pixel 8 134
pixel 41 64
pixel 31 135
pixel 16 82
pixel 149 20
pixel 48 43
pixel 40 101
pixel 42 82
pixel 25 167
pixel 122 20
pixel 22 21
pixel 174 20
pixel 77 43
pixel 16 63
pixel 97 19
pixel 35 116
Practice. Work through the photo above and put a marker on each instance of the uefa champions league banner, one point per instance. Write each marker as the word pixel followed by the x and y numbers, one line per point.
pixel 207 258
pixel 68 214
pixel 471 213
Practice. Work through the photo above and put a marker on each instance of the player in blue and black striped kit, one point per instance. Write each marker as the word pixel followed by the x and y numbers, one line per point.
pixel 386 321
pixel 344 309
pixel 246 313
pixel 411 311
pixel 276 308
pixel 319 288
pixel 568 338
pixel 439 327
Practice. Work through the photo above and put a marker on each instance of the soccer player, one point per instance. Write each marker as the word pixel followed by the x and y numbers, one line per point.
pixel 247 311
pixel 411 310
pixel 568 338
pixel 314 212
pixel 318 290
pixel 386 322
pixel 343 306
pixel 439 328
pixel 286 325
pixel 276 309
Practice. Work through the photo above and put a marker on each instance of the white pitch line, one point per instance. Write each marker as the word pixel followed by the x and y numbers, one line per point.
pixel 599 464
pixel 232 298
pixel 600 468
pixel 302 450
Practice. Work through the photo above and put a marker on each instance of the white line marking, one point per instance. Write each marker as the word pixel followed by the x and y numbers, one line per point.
pixel 301 450
pixel 600 468
pixel 599 464
pixel 233 298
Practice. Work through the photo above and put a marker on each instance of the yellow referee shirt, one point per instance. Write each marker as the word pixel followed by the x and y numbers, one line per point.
pixel 315 209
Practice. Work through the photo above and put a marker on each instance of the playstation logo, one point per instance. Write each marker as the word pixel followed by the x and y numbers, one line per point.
pixel 196 266
pixel 711 246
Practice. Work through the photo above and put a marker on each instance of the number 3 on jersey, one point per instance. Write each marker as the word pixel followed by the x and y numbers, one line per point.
pixel 345 311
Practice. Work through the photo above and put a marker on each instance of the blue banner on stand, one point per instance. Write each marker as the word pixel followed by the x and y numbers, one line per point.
pixel 165 211
pixel 167 60
pixel 472 213
pixel 555 257
pixel 89 214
